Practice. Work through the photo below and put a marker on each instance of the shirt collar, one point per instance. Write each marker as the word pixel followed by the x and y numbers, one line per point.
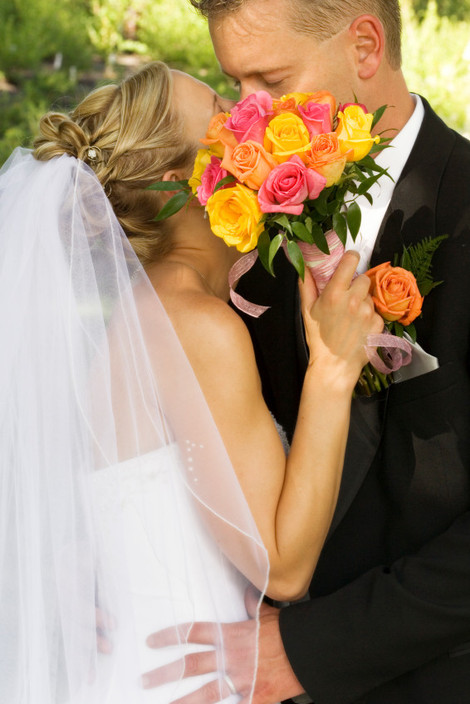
pixel 396 155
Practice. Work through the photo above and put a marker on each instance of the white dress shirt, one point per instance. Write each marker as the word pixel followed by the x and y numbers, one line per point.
pixel 394 159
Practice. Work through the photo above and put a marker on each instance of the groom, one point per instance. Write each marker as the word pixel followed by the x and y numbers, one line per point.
pixel 388 620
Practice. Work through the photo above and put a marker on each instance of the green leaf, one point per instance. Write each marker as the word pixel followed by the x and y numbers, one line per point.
pixel 354 217
pixel 405 261
pixel 282 220
pixel 301 231
pixel 263 250
pixel 398 329
pixel 295 255
pixel 320 239
pixel 223 182
pixel 378 114
pixel 411 330
pixel 320 204
pixel 367 183
pixel 169 186
pixel 376 148
pixel 368 163
pixel 427 285
pixel 273 250
pixel 340 227
pixel 173 206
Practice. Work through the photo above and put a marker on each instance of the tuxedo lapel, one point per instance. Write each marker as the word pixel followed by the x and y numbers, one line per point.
pixel 365 432
pixel 404 224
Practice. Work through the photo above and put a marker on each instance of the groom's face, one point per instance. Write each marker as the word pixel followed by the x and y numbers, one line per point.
pixel 258 47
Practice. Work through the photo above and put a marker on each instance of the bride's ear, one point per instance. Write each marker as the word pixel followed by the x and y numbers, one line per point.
pixel 173 175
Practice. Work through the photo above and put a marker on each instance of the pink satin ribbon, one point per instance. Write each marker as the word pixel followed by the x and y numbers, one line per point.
pixel 396 351
pixel 236 272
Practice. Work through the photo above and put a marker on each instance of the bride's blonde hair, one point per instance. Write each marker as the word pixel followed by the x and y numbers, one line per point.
pixel 130 135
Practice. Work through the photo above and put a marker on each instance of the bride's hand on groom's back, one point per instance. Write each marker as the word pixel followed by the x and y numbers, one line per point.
pixel 275 678
pixel 338 321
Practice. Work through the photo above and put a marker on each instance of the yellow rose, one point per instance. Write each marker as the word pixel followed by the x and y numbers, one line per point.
pixel 285 136
pixel 235 215
pixel 354 126
pixel 203 158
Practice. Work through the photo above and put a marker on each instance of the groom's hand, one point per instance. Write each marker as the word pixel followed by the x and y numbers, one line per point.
pixel 275 678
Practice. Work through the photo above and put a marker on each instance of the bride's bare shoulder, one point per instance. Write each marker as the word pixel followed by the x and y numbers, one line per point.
pixel 208 328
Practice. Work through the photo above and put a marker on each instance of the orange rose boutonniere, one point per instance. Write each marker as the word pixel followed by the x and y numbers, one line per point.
pixel 395 293
pixel 398 293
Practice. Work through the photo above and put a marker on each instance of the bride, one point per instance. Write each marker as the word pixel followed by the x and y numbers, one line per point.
pixel 144 483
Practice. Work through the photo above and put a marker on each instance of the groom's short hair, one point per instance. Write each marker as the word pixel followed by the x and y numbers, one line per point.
pixel 324 18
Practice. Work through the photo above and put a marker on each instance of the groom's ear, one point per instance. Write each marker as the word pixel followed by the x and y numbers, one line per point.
pixel 367 36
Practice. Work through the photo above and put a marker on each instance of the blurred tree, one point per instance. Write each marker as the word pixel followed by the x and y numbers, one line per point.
pixel 453 9
pixel 32 31
pixel 436 63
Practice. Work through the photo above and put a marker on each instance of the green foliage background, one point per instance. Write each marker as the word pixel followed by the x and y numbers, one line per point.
pixel 52 53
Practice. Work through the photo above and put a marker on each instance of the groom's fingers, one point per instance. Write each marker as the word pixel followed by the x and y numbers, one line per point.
pixel 211 693
pixel 189 666
pixel 200 632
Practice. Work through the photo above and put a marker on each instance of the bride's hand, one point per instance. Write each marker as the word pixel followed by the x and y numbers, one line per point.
pixel 338 322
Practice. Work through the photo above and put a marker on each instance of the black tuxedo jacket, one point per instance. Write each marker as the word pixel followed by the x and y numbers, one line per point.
pixel 389 615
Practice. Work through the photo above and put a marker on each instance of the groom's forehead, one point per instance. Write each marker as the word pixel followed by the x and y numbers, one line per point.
pixel 242 30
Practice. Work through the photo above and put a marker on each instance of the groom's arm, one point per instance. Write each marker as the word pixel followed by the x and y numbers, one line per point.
pixel 387 622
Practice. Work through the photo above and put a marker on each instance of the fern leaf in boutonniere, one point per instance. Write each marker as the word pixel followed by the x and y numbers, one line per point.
pixel 418 259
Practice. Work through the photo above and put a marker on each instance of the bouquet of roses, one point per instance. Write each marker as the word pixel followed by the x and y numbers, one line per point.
pixel 287 174
pixel 282 173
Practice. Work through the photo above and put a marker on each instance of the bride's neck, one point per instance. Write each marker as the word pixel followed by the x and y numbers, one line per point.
pixel 198 249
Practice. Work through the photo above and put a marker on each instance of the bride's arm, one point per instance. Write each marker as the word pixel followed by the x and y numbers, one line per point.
pixel 293 499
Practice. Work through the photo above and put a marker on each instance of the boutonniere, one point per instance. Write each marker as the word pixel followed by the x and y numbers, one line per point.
pixel 398 294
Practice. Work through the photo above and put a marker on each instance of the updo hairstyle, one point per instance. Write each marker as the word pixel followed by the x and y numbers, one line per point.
pixel 130 135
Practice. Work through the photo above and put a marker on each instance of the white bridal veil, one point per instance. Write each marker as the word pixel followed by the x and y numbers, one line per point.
pixel 106 443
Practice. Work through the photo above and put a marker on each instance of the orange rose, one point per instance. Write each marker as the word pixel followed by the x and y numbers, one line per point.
pixel 218 136
pixel 395 293
pixel 287 103
pixel 290 101
pixel 249 162
pixel 326 157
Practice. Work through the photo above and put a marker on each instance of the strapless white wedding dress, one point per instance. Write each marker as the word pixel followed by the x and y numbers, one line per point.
pixel 164 542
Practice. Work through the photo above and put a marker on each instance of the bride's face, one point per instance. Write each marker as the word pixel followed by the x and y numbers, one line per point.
pixel 196 102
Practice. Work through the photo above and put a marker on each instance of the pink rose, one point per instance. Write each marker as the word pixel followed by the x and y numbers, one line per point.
pixel 288 186
pixel 249 118
pixel 213 173
pixel 317 117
